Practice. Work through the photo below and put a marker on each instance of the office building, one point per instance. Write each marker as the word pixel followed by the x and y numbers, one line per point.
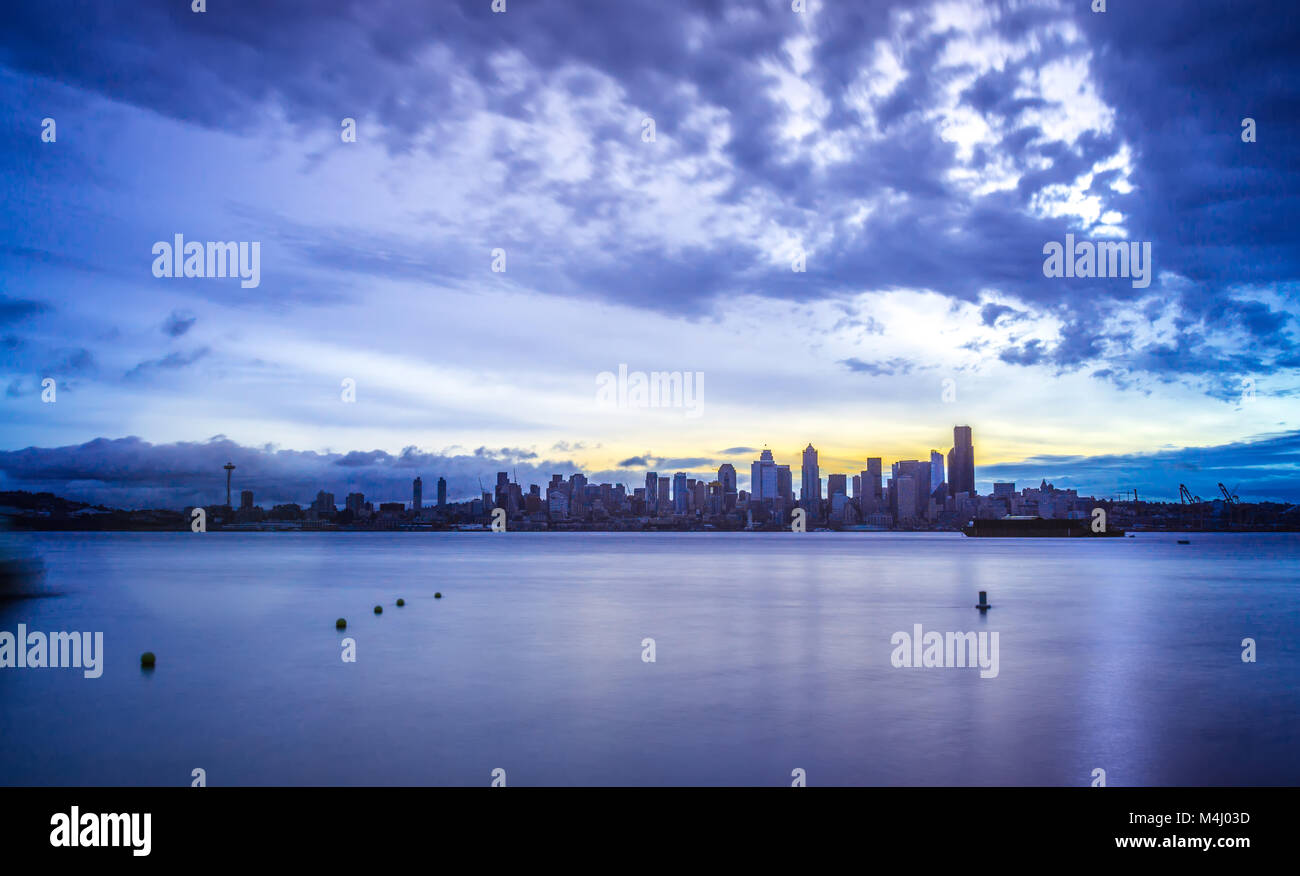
pixel 727 479
pixel 810 491
pixel 961 462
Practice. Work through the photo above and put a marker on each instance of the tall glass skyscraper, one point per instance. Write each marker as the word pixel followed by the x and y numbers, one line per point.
pixel 810 493
pixel 961 462
pixel 763 478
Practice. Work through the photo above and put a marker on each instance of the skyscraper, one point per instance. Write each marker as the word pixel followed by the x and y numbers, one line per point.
pixel 871 480
pixel 679 492
pixel 246 500
pixel 727 478
pixel 651 488
pixel 663 502
pixel 916 502
pixel 785 486
pixel 810 491
pixel 442 492
pixel 936 470
pixel 417 495
pixel 836 483
pixel 762 478
pixel 906 492
pixel 961 462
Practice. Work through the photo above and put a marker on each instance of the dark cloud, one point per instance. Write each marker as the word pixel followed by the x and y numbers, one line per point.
pixel 178 323
pixel 888 367
pixel 170 362
pixel 1029 353
pixel 1219 213
pixel 991 313
pixel 133 473
pixel 15 309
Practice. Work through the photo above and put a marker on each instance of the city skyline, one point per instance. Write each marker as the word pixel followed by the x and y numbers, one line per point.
pixel 130 473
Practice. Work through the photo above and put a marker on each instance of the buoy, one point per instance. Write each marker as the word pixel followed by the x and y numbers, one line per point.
pixel 1183 541
pixel 437 596
pixel 984 601
pixel 340 624
pixel 401 602
pixel 379 609
pixel 147 660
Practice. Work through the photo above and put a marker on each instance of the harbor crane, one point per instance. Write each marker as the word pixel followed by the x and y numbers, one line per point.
pixel 1191 503
pixel 1233 502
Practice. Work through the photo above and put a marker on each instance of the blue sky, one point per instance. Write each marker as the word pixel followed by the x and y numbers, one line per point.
pixel 914 157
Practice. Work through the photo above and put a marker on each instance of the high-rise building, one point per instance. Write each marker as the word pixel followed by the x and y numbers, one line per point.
pixel 501 495
pixel 557 502
pixel 356 503
pixel 417 495
pixel 651 491
pixel 577 494
pixel 1004 491
pixel 442 492
pixel 936 469
pixel 872 489
pixel 680 487
pixel 785 486
pixel 727 478
pixel 762 478
pixel 906 492
pixel 917 503
pixel 836 484
pixel 663 499
pixel 961 462
pixel 810 490
pixel 246 500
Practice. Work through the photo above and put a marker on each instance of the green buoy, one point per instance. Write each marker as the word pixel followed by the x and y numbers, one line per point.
pixel 147 660
pixel 437 596
pixel 340 624
pixel 401 602
pixel 379 609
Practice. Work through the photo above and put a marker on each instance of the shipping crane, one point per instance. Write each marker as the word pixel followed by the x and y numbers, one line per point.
pixel 1191 503
pixel 1233 502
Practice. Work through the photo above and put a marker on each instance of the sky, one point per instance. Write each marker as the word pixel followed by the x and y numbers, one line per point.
pixel 833 219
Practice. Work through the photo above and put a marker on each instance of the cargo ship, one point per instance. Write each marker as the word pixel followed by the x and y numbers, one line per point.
pixel 1036 527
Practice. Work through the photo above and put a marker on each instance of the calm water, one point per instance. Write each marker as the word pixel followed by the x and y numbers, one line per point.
pixel 773 652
